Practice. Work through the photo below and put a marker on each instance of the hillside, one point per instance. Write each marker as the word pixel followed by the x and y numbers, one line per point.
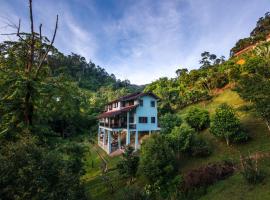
pixel 234 187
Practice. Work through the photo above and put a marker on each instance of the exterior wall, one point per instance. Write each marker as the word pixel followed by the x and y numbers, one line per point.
pixel 147 111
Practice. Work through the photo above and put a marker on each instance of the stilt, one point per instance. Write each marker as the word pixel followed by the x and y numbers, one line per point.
pixel 128 132
pixel 109 142
pixel 98 135
pixel 119 140
pixel 104 137
pixel 136 140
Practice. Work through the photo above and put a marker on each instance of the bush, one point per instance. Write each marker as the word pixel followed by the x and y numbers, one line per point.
pixel 168 122
pixel 226 125
pixel 200 148
pixel 207 175
pixel 128 166
pixel 251 172
pixel 198 118
pixel 157 162
pixel 181 138
pixel 29 171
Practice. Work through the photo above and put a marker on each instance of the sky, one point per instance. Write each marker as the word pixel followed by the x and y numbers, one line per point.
pixel 140 40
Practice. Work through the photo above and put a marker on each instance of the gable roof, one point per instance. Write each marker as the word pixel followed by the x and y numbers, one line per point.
pixel 133 96
pixel 116 112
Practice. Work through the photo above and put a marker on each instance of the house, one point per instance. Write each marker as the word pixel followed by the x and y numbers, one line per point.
pixel 127 120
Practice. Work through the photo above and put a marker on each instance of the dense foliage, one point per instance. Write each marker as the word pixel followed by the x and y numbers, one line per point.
pixel 198 118
pixel 258 34
pixel 157 160
pixel 168 121
pixel 226 125
pixel 128 166
pixel 30 171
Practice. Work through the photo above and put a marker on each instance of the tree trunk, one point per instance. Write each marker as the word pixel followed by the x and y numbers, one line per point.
pixel 29 109
pixel 267 124
pixel 227 141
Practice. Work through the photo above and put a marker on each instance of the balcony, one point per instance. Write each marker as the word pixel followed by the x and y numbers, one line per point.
pixel 117 126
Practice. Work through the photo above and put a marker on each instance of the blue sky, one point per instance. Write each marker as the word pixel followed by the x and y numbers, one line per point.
pixel 141 40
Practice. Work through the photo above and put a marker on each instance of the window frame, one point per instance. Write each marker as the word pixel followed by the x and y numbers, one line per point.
pixel 143 120
pixel 141 102
pixel 153 120
pixel 153 104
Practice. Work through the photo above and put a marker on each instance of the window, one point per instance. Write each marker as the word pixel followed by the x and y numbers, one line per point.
pixel 143 120
pixel 131 119
pixel 153 120
pixel 141 102
pixel 153 103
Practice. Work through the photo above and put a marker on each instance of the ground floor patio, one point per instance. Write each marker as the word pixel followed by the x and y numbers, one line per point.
pixel 114 141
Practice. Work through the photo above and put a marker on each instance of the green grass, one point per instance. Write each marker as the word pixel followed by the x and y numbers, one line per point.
pixel 95 185
pixel 232 188
pixel 236 188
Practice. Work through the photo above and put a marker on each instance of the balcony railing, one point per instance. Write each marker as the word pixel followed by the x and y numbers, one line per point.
pixel 122 125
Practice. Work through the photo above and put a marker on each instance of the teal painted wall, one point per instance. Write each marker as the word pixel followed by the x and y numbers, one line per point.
pixel 147 111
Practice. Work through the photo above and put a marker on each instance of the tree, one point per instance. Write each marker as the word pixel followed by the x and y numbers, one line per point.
pixel 157 160
pixel 181 139
pixel 40 173
pixel 254 85
pixel 198 118
pixel 24 78
pixel 226 125
pixel 168 122
pixel 128 166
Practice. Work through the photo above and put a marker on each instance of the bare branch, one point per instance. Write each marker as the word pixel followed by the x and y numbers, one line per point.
pixel 32 44
pixel 48 49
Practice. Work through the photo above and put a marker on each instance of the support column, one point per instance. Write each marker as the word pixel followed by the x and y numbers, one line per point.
pixel 150 132
pixel 128 132
pixel 104 136
pixel 98 135
pixel 136 139
pixel 109 142
pixel 119 140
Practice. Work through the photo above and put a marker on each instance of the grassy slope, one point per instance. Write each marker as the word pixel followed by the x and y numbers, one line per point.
pixel 232 188
pixel 235 187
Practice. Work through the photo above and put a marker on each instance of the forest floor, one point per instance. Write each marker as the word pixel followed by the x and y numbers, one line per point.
pixel 104 186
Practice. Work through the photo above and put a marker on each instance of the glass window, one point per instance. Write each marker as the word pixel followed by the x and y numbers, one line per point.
pixel 153 103
pixel 143 120
pixel 153 120
pixel 141 102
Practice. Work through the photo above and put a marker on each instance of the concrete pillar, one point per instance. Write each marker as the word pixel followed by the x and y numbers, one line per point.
pixel 136 139
pixel 109 142
pixel 128 132
pixel 104 136
pixel 98 135
pixel 119 140
pixel 149 132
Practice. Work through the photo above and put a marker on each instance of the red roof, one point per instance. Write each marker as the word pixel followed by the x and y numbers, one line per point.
pixel 116 112
pixel 134 96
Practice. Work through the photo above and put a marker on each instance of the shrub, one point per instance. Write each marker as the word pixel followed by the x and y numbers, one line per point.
pixel 251 172
pixel 198 118
pixel 200 148
pixel 128 166
pixel 181 138
pixel 226 125
pixel 207 175
pixel 157 162
pixel 40 173
pixel 168 122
